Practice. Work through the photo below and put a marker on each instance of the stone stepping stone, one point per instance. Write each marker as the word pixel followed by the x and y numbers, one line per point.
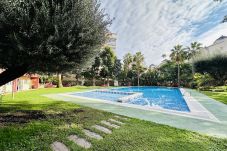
pixel 119 117
pixel 115 121
pixel 58 146
pixel 110 124
pixel 103 129
pixel 92 134
pixel 80 141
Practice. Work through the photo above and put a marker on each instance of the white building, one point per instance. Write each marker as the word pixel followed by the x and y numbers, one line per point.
pixel 219 45
pixel 23 83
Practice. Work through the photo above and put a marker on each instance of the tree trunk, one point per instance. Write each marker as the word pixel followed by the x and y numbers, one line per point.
pixel 59 80
pixel 138 79
pixel 12 74
pixel 94 81
pixel 108 81
pixel 178 74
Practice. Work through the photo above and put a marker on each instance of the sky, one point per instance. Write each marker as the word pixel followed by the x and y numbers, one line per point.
pixel 155 26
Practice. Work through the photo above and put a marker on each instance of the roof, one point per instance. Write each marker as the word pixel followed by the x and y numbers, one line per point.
pixel 220 39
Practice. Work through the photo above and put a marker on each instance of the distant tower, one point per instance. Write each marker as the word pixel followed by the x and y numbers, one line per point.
pixel 111 41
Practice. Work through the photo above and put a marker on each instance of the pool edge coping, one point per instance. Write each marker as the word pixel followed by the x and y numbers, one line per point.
pixel 189 100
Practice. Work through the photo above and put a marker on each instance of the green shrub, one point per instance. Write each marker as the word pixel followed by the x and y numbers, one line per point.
pixel 203 80
pixel 212 62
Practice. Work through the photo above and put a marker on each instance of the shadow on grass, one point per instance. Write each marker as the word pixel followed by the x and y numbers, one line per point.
pixel 24 112
pixel 22 116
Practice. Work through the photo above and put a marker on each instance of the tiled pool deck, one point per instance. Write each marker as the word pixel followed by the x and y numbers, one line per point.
pixel 214 128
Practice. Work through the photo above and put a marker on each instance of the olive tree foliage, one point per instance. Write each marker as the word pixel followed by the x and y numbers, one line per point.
pixel 49 35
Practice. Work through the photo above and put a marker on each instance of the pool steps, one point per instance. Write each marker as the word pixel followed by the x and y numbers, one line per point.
pixel 114 92
pixel 129 95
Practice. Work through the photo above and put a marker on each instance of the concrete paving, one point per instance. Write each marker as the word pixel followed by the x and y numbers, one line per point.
pixel 121 118
pixel 80 141
pixel 216 128
pixel 58 146
pixel 110 124
pixel 92 134
pixel 103 129
pixel 115 121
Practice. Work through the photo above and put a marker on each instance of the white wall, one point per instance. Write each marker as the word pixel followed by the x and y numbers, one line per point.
pixel 24 85
pixel 220 45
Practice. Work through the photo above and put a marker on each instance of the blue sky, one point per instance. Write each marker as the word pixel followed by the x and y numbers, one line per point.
pixel 155 26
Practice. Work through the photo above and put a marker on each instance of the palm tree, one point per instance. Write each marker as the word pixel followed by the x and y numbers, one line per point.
pixel 139 65
pixel 128 60
pixel 193 49
pixel 178 55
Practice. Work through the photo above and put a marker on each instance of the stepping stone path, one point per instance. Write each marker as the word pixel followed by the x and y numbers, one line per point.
pixel 80 141
pixel 119 117
pixel 92 134
pixel 58 146
pixel 115 121
pixel 110 124
pixel 103 129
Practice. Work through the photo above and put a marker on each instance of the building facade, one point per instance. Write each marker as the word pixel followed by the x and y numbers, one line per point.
pixel 26 82
pixel 219 45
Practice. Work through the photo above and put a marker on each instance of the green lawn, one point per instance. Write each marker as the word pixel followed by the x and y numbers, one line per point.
pixel 219 96
pixel 33 122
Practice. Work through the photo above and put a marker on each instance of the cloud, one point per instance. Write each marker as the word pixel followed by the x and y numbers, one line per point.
pixel 154 27
pixel 209 37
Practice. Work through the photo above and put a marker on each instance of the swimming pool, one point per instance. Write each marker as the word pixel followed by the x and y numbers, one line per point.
pixel 159 97
pixel 101 95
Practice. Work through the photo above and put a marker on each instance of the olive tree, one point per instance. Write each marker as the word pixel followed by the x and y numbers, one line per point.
pixel 48 35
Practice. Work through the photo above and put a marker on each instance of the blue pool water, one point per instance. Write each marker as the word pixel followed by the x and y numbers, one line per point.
pixel 166 98
pixel 99 95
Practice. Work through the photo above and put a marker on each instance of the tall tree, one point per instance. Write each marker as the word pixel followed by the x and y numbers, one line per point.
pixel 117 68
pixel 178 55
pixel 127 60
pixel 193 49
pixel 48 36
pixel 139 65
pixel 108 60
pixel 93 72
pixel 95 69
pixel 214 63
